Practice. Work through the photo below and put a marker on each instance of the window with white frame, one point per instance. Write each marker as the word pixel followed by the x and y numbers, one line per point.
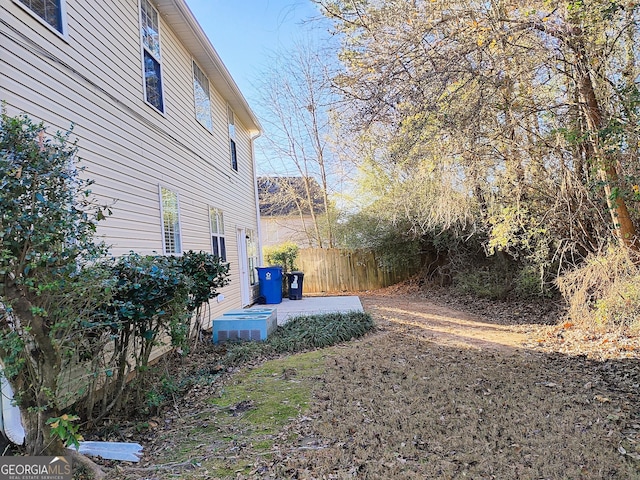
pixel 232 139
pixel 202 98
pixel 50 11
pixel 171 238
pixel 150 33
pixel 252 254
pixel 218 244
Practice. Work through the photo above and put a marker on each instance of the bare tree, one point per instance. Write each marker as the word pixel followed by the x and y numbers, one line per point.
pixel 296 101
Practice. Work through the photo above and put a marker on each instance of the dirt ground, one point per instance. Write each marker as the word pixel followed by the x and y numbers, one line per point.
pixel 509 392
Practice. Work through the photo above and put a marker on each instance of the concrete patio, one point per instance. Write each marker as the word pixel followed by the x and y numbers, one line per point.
pixel 313 305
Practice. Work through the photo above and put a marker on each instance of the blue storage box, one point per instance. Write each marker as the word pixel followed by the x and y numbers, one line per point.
pixel 244 325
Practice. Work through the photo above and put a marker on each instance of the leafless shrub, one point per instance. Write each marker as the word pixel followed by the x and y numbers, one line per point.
pixel 605 291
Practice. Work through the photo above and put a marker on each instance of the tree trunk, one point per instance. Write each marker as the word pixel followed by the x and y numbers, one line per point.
pixel 606 166
pixel 310 197
pixel 37 381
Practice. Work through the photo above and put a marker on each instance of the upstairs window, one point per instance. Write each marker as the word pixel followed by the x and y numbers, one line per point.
pixel 150 33
pixel 171 238
pixel 202 98
pixel 50 11
pixel 218 245
pixel 232 139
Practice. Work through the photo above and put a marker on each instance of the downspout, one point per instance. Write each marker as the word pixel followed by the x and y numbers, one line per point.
pixel 257 200
pixel 10 418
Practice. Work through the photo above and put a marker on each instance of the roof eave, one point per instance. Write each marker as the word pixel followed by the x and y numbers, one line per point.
pixel 179 17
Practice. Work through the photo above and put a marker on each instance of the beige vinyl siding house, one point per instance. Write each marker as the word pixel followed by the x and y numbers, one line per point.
pixel 90 72
pixel 285 211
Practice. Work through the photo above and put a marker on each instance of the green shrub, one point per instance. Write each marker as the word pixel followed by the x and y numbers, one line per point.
pixel 499 277
pixel 207 275
pixel 47 223
pixel 304 332
pixel 155 295
pixel 150 298
pixel 483 283
pixel 317 331
pixel 284 255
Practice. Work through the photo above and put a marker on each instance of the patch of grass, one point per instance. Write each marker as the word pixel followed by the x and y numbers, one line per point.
pixel 242 421
pixel 263 445
pixel 247 414
pixel 269 396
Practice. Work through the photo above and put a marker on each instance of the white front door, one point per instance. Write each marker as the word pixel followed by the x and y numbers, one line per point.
pixel 243 266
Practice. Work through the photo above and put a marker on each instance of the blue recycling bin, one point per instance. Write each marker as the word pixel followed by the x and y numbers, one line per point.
pixel 270 279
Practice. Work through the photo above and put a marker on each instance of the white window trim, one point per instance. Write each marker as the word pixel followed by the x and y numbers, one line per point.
pixel 219 235
pixel 142 50
pixel 164 247
pixel 64 35
pixel 193 73
pixel 232 116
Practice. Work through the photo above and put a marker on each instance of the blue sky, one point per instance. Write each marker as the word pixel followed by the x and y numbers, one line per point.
pixel 246 32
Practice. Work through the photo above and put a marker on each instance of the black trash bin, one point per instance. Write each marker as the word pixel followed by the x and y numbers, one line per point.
pixel 295 285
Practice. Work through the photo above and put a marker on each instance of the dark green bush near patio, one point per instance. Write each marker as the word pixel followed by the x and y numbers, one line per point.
pixel 318 331
pixel 153 300
pixel 304 332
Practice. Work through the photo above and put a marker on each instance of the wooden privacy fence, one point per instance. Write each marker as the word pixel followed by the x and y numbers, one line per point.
pixel 337 270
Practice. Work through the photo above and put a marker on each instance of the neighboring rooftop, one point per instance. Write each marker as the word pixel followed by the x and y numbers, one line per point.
pixel 287 196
